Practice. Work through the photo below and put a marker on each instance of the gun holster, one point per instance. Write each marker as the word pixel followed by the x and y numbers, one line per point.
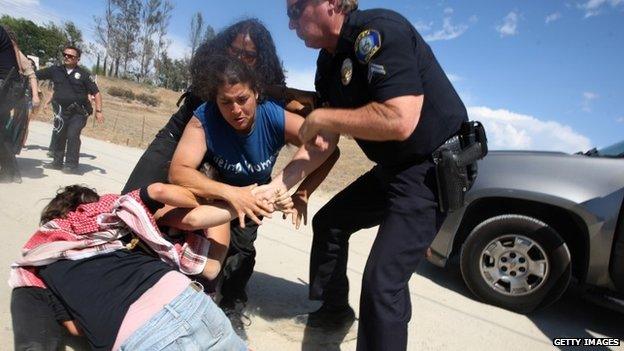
pixel 456 164
pixel 76 108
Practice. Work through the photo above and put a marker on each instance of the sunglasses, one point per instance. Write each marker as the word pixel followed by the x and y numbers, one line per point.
pixel 295 10
pixel 243 54
pixel 69 56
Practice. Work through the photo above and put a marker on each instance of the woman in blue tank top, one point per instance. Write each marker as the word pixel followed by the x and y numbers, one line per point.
pixel 240 136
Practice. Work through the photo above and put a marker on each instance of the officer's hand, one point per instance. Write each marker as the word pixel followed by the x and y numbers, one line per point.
pixel 310 128
pixel 99 117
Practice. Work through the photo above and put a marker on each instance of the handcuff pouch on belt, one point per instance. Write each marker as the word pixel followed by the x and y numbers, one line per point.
pixel 456 164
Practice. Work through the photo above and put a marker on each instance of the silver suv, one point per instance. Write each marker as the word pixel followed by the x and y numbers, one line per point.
pixel 533 221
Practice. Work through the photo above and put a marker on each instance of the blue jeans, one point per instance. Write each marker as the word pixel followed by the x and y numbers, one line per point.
pixel 192 321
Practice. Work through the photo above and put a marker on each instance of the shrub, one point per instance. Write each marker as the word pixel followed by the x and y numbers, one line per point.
pixel 122 93
pixel 150 100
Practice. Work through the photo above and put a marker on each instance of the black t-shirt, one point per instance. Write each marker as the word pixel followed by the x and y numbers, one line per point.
pixel 98 291
pixel 178 121
pixel 69 88
pixel 7 54
pixel 380 56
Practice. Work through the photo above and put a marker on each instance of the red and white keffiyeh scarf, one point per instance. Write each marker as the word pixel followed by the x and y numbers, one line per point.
pixel 95 229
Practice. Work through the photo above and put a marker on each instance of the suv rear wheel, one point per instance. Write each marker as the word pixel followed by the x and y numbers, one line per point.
pixel 516 262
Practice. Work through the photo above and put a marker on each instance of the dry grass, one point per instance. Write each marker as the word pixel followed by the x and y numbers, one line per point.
pixel 135 124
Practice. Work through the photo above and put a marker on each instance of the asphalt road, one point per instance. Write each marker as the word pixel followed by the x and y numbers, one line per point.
pixel 444 314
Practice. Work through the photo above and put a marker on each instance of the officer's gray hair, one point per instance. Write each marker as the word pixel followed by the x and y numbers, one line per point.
pixel 346 6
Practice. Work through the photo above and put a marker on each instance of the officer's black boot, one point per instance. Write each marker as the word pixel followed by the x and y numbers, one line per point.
pixel 331 317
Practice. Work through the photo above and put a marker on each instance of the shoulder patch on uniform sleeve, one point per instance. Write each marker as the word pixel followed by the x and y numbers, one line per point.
pixel 367 44
pixel 375 69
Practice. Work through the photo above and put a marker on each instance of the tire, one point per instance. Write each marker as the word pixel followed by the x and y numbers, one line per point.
pixel 516 262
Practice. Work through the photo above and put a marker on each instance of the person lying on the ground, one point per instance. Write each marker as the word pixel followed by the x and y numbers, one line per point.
pixel 113 291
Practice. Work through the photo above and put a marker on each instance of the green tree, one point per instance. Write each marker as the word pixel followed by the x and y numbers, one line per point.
pixel 172 74
pixel 47 41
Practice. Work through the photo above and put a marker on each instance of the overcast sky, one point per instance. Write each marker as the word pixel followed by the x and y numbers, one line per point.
pixel 540 74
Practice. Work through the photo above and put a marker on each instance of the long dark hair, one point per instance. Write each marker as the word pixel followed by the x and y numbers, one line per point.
pixel 213 71
pixel 268 67
pixel 67 199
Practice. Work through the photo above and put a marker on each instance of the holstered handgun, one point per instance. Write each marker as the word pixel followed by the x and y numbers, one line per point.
pixel 456 164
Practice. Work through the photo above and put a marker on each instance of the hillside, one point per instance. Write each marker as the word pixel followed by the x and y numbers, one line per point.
pixel 134 124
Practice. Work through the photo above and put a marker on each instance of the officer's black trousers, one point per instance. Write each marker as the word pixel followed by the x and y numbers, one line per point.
pixel 67 144
pixel 404 204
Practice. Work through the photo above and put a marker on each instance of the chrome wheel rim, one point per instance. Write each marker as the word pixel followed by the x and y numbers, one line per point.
pixel 514 265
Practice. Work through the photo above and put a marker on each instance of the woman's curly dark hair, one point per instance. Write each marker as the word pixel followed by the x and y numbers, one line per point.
pixel 67 199
pixel 268 67
pixel 220 70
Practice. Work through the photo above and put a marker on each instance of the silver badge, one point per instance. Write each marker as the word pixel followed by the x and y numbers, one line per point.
pixel 346 71
pixel 77 75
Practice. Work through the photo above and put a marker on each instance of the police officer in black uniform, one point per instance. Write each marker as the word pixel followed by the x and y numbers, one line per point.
pixel 72 87
pixel 382 85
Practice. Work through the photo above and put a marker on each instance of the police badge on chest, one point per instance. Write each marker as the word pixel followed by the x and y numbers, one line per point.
pixel 346 72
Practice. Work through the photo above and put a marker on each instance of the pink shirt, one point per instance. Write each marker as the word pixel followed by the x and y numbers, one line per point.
pixel 150 303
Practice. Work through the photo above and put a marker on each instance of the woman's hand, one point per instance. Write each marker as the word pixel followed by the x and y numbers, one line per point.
pixel 306 98
pixel 35 100
pixel 245 203
pixel 274 195
pixel 72 328
pixel 299 210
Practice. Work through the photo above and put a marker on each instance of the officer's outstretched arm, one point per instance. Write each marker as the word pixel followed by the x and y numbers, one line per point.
pixel 393 119
pixel 307 159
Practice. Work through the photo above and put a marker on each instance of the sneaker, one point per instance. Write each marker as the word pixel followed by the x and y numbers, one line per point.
pixel 71 170
pixel 53 165
pixel 331 317
pixel 237 318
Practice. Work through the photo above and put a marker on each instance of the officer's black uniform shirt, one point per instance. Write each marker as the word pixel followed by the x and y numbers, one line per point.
pixel 7 54
pixel 72 87
pixel 402 64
